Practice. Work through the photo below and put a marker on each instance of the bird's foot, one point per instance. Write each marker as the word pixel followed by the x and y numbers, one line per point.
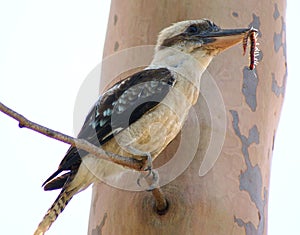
pixel 152 182
pixel 148 162
pixel 148 171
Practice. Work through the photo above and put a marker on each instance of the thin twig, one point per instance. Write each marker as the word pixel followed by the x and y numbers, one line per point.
pixel 78 143
pixel 161 202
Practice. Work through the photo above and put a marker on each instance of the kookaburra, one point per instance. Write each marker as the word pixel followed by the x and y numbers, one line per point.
pixel 124 119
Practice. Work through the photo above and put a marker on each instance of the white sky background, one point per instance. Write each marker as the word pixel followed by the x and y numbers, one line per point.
pixel 47 48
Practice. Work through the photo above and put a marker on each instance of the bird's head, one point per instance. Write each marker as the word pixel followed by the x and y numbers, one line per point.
pixel 201 39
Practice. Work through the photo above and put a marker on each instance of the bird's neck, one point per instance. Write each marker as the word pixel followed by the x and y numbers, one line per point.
pixel 181 63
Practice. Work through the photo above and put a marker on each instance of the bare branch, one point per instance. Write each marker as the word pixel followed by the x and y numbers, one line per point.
pixel 161 202
pixel 78 143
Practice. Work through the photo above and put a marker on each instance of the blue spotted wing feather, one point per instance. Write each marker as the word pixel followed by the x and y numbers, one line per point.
pixel 125 103
pixel 119 107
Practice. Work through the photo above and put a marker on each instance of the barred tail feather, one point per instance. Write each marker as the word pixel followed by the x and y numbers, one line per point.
pixel 57 207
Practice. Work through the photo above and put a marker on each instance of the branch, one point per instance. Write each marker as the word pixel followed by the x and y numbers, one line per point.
pixel 78 143
pixel 161 202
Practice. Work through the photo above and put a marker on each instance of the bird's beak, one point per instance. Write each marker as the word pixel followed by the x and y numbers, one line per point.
pixel 224 38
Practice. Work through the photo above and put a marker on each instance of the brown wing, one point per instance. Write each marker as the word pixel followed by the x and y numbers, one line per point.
pixel 119 107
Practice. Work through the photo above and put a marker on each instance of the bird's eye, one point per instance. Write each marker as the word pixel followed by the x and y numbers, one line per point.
pixel 193 29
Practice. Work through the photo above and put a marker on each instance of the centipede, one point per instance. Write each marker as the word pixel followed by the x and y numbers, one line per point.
pixel 254 51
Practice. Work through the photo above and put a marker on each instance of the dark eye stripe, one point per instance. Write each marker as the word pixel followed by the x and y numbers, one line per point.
pixel 192 29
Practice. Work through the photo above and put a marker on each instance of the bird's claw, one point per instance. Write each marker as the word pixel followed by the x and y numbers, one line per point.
pixel 148 162
pixel 154 180
pixel 153 183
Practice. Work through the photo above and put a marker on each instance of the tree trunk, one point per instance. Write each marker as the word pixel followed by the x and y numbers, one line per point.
pixel 232 197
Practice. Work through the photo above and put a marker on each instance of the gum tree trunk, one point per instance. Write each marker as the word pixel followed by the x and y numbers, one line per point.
pixel 231 198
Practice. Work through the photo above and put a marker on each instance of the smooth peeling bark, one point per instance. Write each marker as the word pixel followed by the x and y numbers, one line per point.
pixel 232 198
